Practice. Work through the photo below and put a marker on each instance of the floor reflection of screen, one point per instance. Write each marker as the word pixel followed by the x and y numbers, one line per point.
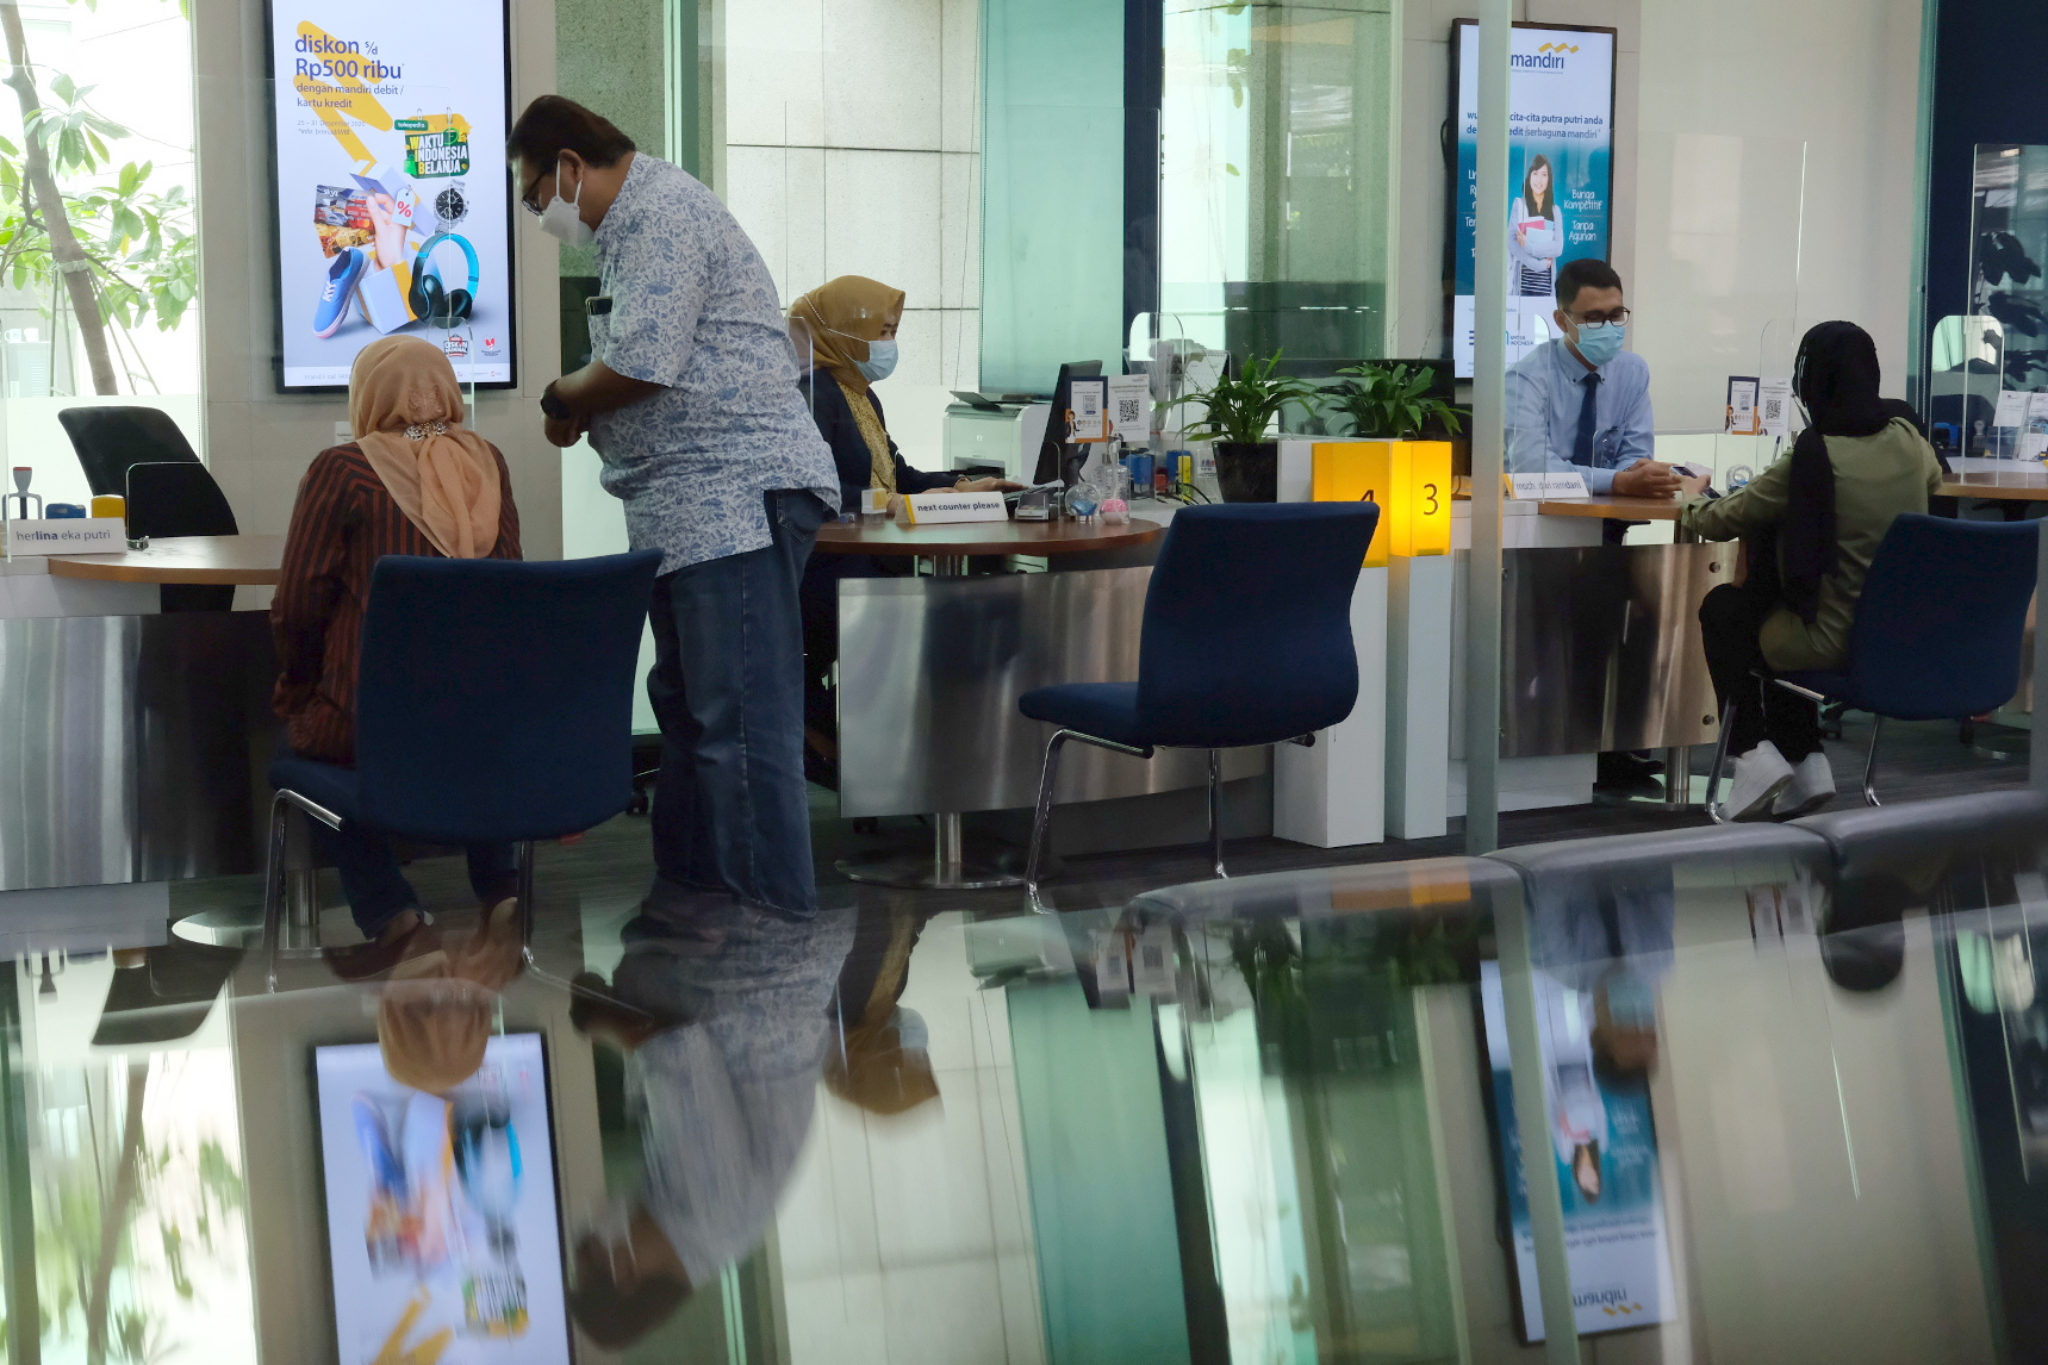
pixel 442 1225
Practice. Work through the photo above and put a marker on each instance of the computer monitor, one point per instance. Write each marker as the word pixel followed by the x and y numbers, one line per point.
pixel 1049 449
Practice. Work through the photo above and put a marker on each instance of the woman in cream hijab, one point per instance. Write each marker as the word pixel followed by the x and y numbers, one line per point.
pixel 413 482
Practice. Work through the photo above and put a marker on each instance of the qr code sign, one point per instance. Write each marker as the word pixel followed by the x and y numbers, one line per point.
pixel 1774 410
pixel 1129 411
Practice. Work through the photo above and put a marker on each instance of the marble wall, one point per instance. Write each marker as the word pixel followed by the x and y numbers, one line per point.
pixel 852 147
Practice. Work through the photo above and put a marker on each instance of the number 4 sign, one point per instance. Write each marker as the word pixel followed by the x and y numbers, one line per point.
pixel 1356 471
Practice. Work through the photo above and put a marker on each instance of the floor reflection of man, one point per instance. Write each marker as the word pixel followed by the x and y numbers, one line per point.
pixel 725 1018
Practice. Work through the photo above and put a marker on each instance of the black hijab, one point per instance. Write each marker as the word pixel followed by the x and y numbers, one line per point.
pixel 1836 377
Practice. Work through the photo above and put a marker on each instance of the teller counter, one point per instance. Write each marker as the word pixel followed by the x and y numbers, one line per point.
pixel 931 666
pixel 1600 647
pixel 135 742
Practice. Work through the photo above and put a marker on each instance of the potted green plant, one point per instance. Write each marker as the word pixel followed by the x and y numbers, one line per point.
pixel 1391 400
pixel 1238 411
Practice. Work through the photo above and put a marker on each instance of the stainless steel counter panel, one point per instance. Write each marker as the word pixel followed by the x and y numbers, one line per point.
pixel 133 748
pixel 1600 649
pixel 930 670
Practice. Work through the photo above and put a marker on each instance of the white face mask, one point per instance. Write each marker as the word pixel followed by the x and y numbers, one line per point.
pixel 562 220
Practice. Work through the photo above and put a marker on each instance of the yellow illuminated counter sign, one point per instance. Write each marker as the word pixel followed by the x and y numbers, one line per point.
pixel 1410 480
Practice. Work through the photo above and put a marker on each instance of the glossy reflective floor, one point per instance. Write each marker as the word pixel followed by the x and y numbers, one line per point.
pixel 1795 1101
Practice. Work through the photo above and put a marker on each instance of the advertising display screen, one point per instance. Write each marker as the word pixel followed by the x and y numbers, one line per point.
pixel 393 206
pixel 443 1229
pixel 1602 1154
pixel 1560 172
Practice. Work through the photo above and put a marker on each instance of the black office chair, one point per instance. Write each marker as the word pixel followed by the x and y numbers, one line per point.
pixel 179 499
pixel 111 441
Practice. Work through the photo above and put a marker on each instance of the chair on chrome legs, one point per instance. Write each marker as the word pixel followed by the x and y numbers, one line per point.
pixel 1937 635
pixel 495 705
pixel 1246 640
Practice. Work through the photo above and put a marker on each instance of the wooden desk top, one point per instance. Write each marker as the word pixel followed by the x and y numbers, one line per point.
pixel 889 537
pixel 1621 509
pixel 2025 483
pixel 255 561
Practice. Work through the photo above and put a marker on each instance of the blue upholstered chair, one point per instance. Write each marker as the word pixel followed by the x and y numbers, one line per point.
pixel 1937 633
pixel 494 705
pixel 1247 640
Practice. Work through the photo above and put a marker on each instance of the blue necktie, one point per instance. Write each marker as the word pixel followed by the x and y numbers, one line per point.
pixel 1589 421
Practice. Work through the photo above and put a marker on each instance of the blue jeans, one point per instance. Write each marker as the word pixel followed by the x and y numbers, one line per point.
pixel 731 814
pixel 377 890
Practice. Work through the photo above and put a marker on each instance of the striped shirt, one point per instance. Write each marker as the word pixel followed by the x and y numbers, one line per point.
pixel 342 524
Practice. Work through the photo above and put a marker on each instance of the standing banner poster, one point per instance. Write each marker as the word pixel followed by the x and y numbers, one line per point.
pixel 1604 1158
pixel 392 203
pixel 1560 172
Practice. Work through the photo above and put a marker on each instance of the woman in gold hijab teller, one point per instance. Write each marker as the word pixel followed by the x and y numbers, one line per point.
pixel 845 337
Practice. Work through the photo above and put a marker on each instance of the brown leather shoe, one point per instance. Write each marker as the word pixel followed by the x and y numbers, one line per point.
pixel 367 961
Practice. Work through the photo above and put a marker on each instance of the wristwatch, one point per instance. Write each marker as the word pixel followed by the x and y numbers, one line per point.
pixel 554 407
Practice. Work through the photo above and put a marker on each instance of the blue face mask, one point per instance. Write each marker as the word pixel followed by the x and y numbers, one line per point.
pixel 881 361
pixel 1600 342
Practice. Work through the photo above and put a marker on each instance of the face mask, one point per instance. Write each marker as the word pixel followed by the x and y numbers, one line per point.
pixel 561 220
pixel 1600 342
pixel 881 361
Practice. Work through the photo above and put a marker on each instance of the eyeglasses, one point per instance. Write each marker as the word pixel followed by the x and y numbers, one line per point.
pixel 1614 315
pixel 527 200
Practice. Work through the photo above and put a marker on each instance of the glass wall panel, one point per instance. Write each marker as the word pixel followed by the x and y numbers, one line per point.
pixel 1275 184
pixel 99 287
pixel 2001 344
pixel 1053 202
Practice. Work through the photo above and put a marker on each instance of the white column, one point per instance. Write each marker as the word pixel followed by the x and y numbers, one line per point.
pixel 1333 793
pixel 1418 696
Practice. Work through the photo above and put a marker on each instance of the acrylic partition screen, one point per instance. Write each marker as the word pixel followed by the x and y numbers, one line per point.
pixel 1719 224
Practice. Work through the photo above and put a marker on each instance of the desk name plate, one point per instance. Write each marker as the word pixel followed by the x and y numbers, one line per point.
pixel 1546 486
pixel 931 509
pixel 31 536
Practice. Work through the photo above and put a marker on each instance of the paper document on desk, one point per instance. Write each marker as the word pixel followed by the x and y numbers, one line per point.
pixel 2012 409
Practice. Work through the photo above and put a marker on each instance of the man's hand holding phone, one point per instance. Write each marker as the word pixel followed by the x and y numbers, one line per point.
pixel 1646 479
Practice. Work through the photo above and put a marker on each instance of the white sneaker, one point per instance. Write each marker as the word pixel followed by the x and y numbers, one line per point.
pixel 1812 786
pixel 1760 775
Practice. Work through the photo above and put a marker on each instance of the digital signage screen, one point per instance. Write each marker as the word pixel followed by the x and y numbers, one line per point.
pixel 392 202
pixel 1560 191
pixel 444 1233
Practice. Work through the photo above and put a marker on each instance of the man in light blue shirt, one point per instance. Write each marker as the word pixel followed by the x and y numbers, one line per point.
pixel 691 399
pixel 1581 403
